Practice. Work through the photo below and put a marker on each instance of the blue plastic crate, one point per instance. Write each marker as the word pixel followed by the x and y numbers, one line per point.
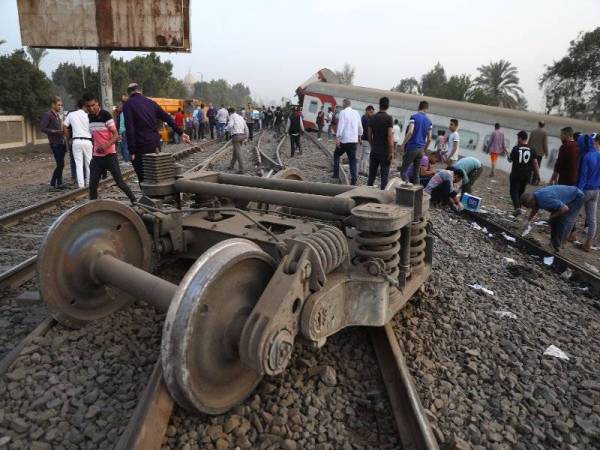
pixel 470 202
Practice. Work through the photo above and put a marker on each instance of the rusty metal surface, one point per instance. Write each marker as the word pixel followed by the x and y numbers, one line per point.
pixel 199 347
pixel 64 261
pixel 111 24
pixel 411 420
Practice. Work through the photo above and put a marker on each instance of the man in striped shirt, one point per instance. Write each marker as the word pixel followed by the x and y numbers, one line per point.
pixel 104 154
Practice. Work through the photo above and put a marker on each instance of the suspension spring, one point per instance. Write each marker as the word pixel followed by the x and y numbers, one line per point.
pixel 418 243
pixel 384 246
pixel 330 245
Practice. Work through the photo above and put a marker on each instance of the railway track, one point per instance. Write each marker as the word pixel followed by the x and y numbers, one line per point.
pixel 154 408
pixel 25 227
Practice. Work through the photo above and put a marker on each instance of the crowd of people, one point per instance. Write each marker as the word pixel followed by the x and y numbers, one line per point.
pixel 371 143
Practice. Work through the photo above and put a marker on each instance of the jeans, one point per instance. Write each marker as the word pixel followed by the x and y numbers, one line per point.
pixel 58 150
pixel 534 178
pixel 221 130
pixel 125 148
pixel 82 152
pixel 250 130
pixel 590 200
pixel 329 132
pixel 363 157
pixel 237 141
pixel 111 163
pixel 176 138
pixel 412 157
pixel 295 143
pixel 377 160
pixel 441 193
pixel 211 126
pixel 518 183
pixel 561 227
pixel 350 149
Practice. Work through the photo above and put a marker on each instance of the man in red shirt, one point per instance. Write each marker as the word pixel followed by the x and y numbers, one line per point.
pixel 566 168
pixel 180 122
pixel 104 154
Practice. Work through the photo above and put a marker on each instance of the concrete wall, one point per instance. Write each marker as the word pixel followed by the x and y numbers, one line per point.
pixel 16 132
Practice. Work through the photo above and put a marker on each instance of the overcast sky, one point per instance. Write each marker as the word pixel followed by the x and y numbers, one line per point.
pixel 274 45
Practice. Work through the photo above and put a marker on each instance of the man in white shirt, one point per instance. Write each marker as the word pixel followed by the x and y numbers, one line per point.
pixel 453 142
pixel 238 130
pixel 222 119
pixel 348 135
pixel 82 143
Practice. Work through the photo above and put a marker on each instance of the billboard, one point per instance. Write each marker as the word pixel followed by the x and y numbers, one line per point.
pixel 143 25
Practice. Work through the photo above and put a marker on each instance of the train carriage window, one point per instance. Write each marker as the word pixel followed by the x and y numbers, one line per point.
pixel 552 156
pixel 313 106
pixel 468 139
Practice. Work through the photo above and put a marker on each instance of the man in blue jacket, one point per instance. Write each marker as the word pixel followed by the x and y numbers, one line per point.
pixel 589 183
pixel 416 141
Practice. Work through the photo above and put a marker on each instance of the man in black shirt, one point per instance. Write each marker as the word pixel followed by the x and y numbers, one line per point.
pixel 381 138
pixel 524 162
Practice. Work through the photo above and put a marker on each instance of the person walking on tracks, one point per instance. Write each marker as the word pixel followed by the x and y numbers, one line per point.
pixel 249 121
pixel 589 183
pixel 348 135
pixel 563 203
pixel 105 135
pixel 277 121
pixel 496 147
pixel 212 119
pixel 222 120
pixel 320 123
pixel 141 115
pixel 52 127
pixel 82 143
pixel 365 147
pixel 538 140
pixel 524 162
pixel 238 130
pixel 416 140
pixel 295 127
pixel 381 138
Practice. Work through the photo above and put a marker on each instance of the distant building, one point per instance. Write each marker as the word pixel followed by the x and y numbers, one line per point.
pixel 189 81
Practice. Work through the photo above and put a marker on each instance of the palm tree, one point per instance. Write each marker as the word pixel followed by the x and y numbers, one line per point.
pixel 498 81
pixel 36 55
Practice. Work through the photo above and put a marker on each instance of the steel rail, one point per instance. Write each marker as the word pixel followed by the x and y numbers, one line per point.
pixel 560 263
pixel 275 164
pixel 7 360
pixel 413 426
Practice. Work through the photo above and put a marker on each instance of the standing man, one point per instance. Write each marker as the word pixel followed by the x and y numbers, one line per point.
pixel 563 202
pixel 589 183
pixel 329 123
pixel 278 121
pixel 105 135
pixel 416 141
pixel 238 130
pixel 524 162
pixel 82 143
pixel 295 127
pixel 496 146
pixel 365 146
pixel 180 122
pixel 381 138
pixel 249 121
pixel 141 115
pixel 222 119
pixel 212 119
pixel 538 140
pixel 566 166
pixel 52 126
pixel 397 134
pixel 199 122
pixel 320 123
pixel 453 143
pixel 471 169
pixel 348 134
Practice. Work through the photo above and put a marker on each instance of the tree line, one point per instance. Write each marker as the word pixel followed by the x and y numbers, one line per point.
pixel 26 90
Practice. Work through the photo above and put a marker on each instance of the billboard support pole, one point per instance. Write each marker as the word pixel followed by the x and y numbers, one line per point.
pixel 105 75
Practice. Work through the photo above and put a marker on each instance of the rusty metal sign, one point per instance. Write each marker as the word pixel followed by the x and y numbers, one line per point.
pixel 106 24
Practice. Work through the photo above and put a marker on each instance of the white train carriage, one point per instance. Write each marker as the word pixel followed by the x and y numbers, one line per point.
pixel 476 121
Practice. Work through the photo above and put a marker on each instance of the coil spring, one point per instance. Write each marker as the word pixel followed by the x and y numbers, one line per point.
pixel 383 246
pixel 330 245
pixel 418 234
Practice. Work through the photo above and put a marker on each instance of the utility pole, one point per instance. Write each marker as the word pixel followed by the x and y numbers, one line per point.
pixel 105 73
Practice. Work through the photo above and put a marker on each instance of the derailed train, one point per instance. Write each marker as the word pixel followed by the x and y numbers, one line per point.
pixel 476 121
pixel 275 259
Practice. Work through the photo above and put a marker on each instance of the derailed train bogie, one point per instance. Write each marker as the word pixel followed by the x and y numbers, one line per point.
pixel 338 256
